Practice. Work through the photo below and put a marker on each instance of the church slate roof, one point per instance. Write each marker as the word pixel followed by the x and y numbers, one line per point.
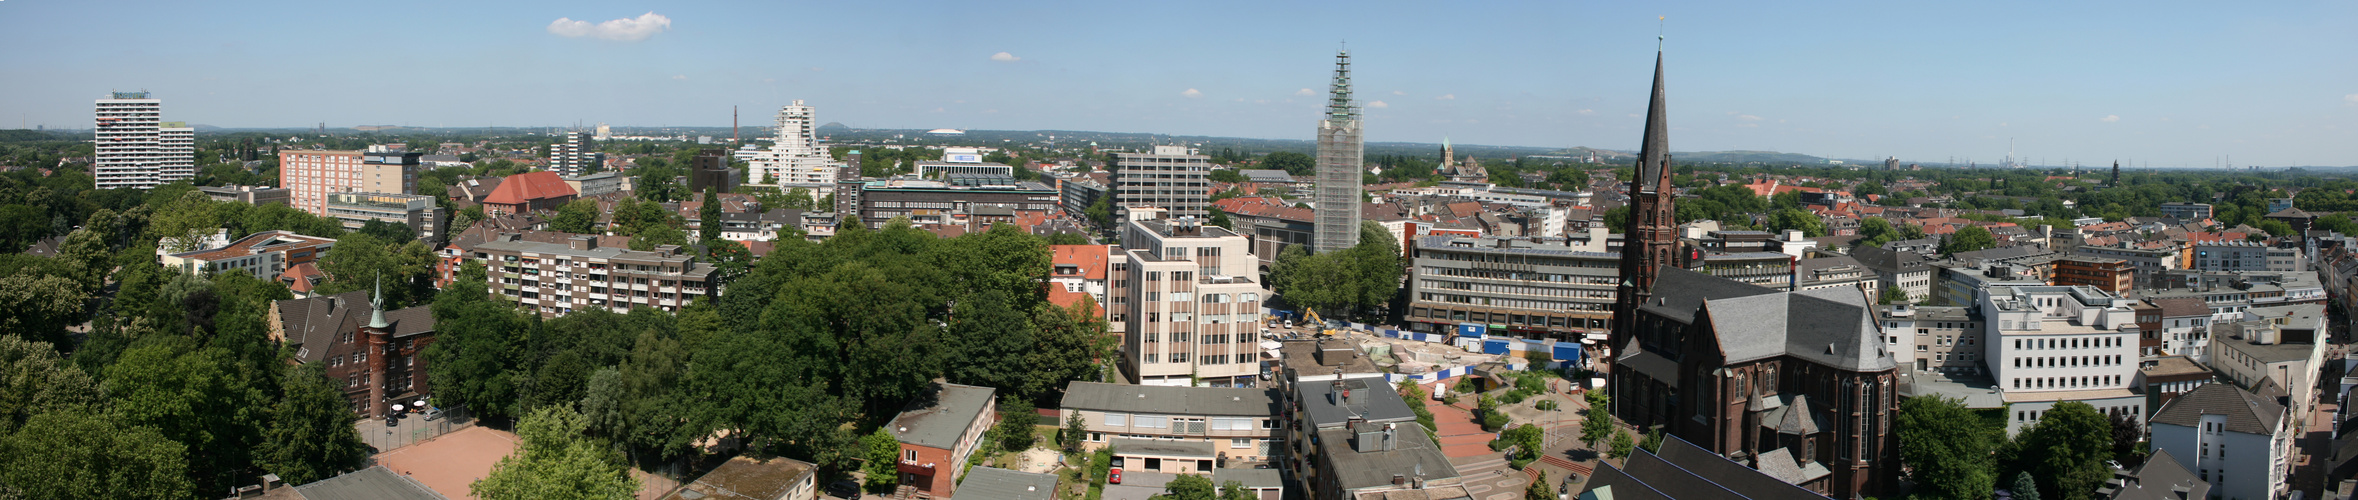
pixel 1678 293
pixel 1832 326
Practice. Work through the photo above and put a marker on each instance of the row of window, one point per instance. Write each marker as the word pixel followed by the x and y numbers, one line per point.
pixel 2094 381
pixel 2066 361
pixel 2068 343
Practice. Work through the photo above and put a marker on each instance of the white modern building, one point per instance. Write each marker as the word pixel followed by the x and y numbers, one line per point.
pixel 135 148
pixel 2237 441
pixel 1172 178
pixel 1190 297
pixel 2051 344
pixel 796 159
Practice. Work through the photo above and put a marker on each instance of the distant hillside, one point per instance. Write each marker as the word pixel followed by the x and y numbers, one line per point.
pixel 1766 157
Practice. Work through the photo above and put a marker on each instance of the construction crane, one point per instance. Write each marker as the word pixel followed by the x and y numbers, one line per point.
pixel 1317 323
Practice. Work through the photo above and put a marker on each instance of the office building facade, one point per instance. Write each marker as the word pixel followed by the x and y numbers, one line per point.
pixel 1556 289
pixel 419 212
pixel 576 156
pixel 796 159
pixel 1171 178
pixel 1188 296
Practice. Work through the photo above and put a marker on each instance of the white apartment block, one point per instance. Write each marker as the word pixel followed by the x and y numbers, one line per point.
pixel 1181 423
pixel 2051 344
pixel 1191 308
pixel 310 175
pixel 2239 442
pixel 576 156
pixel 135 148
pixel 796 159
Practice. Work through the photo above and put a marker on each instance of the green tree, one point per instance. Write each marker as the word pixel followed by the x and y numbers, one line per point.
pixel 311 434
pixel 1236 490
pixel 579 216
pixel 1621 445
pixel 79 455
pixel 1792 218
pixel 2067 447
pixel 1188 487
pixel 476 351
pixel 2025 487
pixel 1893 294
pixel 1226 175
pixel 1653 441
pixel 1017 421
pixel 1291 162
pixel 34 380
pixel 2275 227
pixel 1538 490
pixel 1967 239
pixel 1597 423
pixel 1076 432
pixel 884 454
pixel 194 398
pixel 554 460
pixel 1947 448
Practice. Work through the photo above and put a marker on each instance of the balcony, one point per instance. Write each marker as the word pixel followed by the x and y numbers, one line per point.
pixel 912 467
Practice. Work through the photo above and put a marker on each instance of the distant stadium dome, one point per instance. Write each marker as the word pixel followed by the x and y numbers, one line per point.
pixel 945 131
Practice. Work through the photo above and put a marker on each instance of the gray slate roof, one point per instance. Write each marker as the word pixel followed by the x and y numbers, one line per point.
pixel 993 483
pixel 1678 293
pixel 2159 478
pixel 1413 452
pixel 1266 175
pixel 1734 476
pixel 1171 400
pixel 940 415
pixel 374 483
pixel 312 323
pixel 1890 262
pixel 1371 399
pixel 1833 327
pixel 2246 412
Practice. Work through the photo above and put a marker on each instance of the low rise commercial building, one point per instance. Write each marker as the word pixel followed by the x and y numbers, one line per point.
pixel 250 195
pixel 598 183
pixel 263 255
pixel 1898 270
pixel 1537 288
pixel 937 203
pixel 1772 270
pixel 2270 357
pixel 747 478
pixel 2186 211
pixel 1179 429
pixel 2147 261
pixel 419 212
pixel 2246 256
pixel 1945 339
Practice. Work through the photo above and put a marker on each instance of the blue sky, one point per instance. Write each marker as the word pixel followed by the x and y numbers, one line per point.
pixel 2169 84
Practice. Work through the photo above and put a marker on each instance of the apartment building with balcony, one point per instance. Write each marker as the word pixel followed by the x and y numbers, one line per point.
pixel 264 255
pixel 1179 429
pixel 1189 297
pixel 1536 288
pixel 2114 276
pixel 311 175
pixel 555 279
pixel 135 148
pixel 250 195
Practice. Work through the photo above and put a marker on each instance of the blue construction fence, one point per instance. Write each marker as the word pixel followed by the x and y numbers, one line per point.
pixel 1473 336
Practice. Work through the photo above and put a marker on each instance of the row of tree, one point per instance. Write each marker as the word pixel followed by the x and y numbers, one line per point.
pixel 1955 452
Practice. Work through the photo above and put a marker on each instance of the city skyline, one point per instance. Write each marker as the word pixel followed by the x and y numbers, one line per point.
pixel 2176 86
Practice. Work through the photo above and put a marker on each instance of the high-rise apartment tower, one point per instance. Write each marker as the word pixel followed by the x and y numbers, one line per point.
pixel 1339 153
pixel 135 148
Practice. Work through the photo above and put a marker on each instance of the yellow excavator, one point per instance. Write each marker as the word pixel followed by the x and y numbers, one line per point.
pixel 1318 324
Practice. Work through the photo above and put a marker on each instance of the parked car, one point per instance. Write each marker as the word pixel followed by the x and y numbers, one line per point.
pixel 1113 476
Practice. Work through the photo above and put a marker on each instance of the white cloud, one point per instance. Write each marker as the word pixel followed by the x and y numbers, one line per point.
pixel 1748 118
pixel 629 29
pixel 1305 93
pixel 1396 92
pixel 1005 57
pixel 679 77
pixel 2352 99
pixel 2110 118
pixel 1447 97
pixel 1748 125
pixel 1633 115
pixel 1588 111
pixel 1192 93
pixel 1377 105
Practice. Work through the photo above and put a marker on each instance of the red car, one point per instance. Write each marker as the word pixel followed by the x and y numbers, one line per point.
pixel 1114 476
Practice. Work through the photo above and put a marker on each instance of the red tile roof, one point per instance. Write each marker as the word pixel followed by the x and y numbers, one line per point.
pixel 1090 258
pixel 523 188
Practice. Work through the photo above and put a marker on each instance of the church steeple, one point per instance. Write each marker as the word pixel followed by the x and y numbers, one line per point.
pixel 1651 238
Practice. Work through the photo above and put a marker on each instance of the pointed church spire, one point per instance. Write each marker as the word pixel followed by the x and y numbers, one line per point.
pixel 376 304
pixel 1654 152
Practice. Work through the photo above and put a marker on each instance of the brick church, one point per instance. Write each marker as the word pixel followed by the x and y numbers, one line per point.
pixel 1798 385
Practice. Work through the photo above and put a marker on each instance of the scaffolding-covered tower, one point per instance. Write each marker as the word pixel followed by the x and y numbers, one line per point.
pixel 1339 164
